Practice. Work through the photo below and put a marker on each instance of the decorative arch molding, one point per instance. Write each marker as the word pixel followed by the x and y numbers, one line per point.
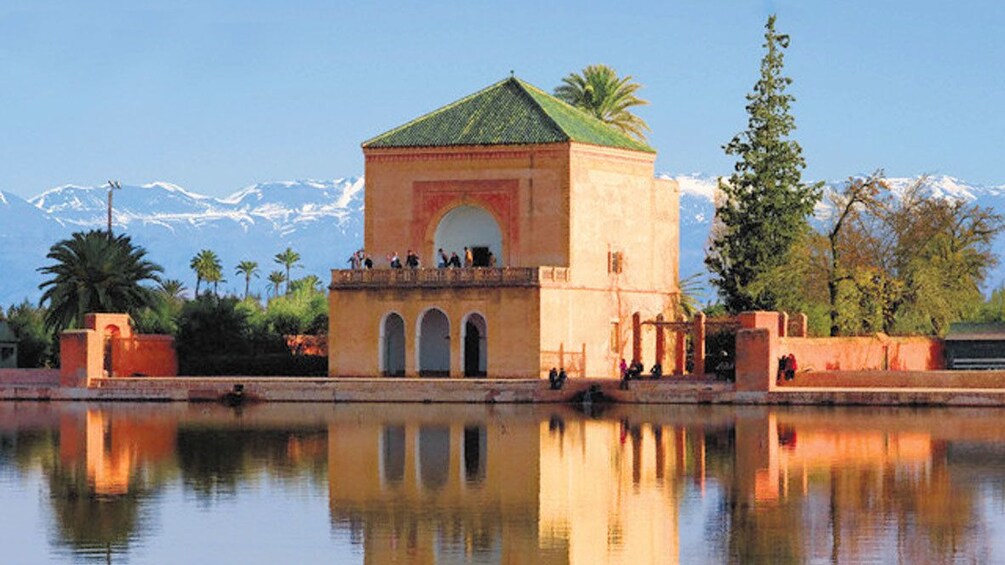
pixel 435 199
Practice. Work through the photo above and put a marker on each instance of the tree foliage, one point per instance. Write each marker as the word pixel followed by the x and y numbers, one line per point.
pixel 601 92
pixel 95 273
pixel 207 267
pixel 899 263
pixel 247 269
pixel 288 258
pixel 764 205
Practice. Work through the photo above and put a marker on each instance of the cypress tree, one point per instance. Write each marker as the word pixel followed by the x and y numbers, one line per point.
pixel 765 204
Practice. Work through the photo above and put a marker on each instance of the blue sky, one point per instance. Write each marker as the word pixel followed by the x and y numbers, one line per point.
pixel 219 95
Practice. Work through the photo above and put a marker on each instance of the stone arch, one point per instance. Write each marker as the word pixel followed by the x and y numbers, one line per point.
pixel 433 343
pixel 474 345
pixel 469 226
pixel 392 345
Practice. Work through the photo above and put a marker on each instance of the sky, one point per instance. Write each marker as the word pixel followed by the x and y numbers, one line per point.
pixel 216 96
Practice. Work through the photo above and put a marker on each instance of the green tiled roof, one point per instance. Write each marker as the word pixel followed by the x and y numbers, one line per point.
pixel 510 112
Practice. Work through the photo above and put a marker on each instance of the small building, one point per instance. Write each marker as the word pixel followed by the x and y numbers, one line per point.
pixel 570 242
pixel 8 346
pixel 979 346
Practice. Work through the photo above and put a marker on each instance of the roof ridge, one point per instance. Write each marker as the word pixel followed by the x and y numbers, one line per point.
pixel 637 145
pixel 437 111
pixel 537 104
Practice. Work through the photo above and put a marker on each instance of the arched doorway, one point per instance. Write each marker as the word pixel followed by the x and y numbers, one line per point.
pixel 475 346
pixel 392 341
pixel 434 344
pixel 472 227
pixel 111 332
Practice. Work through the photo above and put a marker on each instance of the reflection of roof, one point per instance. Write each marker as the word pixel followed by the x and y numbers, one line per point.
pixel 509 112
pixel 6 334
pixel 965 331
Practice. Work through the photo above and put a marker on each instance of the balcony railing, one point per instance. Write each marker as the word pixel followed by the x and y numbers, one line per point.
pixel 448 278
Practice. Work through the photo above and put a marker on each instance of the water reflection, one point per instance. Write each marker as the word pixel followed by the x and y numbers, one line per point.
pixel 512 484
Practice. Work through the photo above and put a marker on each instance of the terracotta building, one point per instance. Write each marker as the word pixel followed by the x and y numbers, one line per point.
pixel 571 243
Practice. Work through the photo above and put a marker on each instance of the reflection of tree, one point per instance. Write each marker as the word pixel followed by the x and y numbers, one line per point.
pixel 213 461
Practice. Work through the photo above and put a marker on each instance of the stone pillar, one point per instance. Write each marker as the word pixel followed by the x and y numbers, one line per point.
pixel 757 351
pixel 680 353
pixel 698 343
pixel 660 341
pixel 783 324
pixel 456 351
pixel 636 337
pixel 800 322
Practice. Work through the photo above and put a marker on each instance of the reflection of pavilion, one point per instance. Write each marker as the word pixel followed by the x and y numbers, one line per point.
pixel 423 488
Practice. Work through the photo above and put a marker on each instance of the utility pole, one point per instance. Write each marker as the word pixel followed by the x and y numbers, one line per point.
pixel 112 185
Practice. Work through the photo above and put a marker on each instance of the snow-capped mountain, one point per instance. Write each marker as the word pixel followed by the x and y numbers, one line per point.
pixel 321 220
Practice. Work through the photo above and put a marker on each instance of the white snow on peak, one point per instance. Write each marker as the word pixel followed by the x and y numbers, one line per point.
pixel 3 199
pixel 695 184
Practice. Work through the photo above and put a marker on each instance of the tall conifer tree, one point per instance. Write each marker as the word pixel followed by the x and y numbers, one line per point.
pixel 765 204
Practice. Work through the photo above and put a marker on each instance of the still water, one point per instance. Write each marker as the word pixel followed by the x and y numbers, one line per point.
pixel 286 483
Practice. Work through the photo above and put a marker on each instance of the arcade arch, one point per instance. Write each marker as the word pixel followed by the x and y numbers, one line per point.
pixel 433 338
pixel 474 337
pixel 392 345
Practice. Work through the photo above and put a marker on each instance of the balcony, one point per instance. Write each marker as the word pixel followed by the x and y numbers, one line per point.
pixel 448 278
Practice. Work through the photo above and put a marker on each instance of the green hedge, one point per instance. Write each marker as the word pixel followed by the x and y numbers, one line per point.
pixel 265 365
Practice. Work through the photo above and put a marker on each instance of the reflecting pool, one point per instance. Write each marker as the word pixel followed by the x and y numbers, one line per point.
pixel 357 483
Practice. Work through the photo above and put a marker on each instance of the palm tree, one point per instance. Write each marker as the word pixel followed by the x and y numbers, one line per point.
pixel 600 92
pixel 276 278
pixel 95 273
pixel 205 264
pixel 172 289
pixel 248 269
pixel 288 258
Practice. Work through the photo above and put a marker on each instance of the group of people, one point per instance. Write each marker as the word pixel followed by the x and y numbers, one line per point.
pixel 411 260
pixel 557 378
pixel 454 261
pixel 360 260
pixel 635 369
pixel 787 367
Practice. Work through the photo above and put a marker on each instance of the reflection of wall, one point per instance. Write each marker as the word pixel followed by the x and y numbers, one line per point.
pixel 609 494
pixel 113 447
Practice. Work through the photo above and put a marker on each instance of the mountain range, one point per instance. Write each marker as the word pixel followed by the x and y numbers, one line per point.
pixel 321 220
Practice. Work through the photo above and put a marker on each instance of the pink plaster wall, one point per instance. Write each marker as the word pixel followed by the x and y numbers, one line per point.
pixel 872 353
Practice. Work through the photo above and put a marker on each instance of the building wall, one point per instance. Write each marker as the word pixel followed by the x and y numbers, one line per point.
pixel 144 355
pixel 525 187
pixel 599 321
pixel 511 316
pixel 565 205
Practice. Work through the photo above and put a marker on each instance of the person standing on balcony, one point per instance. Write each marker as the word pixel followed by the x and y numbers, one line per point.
pixel 455 261
pixel 394 260
pixel 367 261
pixel 469 258
pixel 444 259
pixel 412 260
pixel 492 260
